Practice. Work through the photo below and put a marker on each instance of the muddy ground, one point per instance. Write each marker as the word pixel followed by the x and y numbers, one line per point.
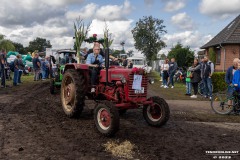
pixel 33 126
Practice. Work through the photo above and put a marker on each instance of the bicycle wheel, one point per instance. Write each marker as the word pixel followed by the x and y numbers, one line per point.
pixel 219 103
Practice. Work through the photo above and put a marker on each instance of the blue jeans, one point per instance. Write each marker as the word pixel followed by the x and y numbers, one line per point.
pixel 43 74
pixel 171 79
pixel 15 77
pixel 19 76
pixel 188 87
pixel 207 86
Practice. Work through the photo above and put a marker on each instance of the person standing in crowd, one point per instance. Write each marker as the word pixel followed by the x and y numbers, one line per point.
pixel 196 77
pixel 43 69
pixel 130 64
pixel 188 82
pixel 47 63
pixel 172 69
pixel 16 70
pixel 229 77
pixel 236 78
pixel 3 63
pixel 36 66
pixel 21 68
pixel 206 75
pixel 70 59
pixel 124 62
pixel 165 68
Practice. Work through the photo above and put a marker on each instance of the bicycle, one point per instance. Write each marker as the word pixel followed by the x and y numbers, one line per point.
pixel 201 88
pixel 220 102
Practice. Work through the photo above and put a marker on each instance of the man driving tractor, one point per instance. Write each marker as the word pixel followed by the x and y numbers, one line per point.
pixel 95 60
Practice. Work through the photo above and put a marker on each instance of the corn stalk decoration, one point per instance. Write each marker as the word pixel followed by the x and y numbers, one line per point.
pixel 81 32
pixel 107 36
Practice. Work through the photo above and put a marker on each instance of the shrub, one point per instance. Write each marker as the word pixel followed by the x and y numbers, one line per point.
pixel 218 81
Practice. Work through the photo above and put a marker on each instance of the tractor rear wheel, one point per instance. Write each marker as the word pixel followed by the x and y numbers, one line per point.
pixel 73 93
pixel 52 87
pixel 156 114
pixel 106 119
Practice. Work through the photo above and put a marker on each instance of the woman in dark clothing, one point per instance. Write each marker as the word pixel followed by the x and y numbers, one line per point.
pixel 196 77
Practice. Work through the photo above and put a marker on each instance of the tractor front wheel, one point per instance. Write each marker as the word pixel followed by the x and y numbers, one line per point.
pixel 106 119
pixel 157 113
pixel 73 93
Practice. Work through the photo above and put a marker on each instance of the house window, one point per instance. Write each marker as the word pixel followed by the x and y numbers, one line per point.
pixel 218 56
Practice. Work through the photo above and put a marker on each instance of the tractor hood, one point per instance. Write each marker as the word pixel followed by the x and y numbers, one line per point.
pixel 115 74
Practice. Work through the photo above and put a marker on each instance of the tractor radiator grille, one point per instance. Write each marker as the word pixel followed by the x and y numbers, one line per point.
pixel 131 91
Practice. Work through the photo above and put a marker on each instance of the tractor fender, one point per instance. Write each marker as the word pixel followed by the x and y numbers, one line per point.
pixel 76 66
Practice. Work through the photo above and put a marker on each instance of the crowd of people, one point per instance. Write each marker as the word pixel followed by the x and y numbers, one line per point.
pixel 195 74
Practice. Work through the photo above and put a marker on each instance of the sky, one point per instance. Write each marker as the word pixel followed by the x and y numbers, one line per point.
pixel 190 22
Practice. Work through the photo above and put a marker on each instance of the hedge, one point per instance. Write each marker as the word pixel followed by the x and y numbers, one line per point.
pixel 218 81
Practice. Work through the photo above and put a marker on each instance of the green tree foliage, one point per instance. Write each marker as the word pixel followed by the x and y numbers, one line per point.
pixel 116 53
pixel 183 55
pixel 163 57
pixel 6 44
pixel 130 53
pixel 147 35
pixel 19 48
pixel 39 44
pixel 212 55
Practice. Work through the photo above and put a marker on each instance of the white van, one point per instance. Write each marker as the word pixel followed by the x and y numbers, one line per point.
pixel 140 62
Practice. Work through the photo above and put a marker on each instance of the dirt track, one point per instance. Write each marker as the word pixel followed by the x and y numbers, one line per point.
pixel 33 126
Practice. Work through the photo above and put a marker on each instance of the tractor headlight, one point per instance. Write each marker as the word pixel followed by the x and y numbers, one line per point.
pixel 123 79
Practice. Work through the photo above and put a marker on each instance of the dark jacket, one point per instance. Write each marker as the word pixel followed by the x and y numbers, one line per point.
pixel 172 68
pixel 229 75
pixel 196 73
pixel 207 69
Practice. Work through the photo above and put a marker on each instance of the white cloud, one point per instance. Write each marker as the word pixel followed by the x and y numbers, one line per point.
pixel 53 20
pixel 113 12
pixel 174 5
pixel 120 30
pixel 219 8
pixel 193 39
pixel 182 21
pixel 108 12
pixel 85 13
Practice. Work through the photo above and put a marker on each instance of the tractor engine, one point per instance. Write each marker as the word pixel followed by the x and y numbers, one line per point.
pixel 120 87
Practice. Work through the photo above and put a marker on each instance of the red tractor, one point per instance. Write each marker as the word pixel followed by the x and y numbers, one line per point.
pixel 115 94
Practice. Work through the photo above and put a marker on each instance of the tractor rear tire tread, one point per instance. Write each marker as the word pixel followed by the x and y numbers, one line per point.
pixel 79 82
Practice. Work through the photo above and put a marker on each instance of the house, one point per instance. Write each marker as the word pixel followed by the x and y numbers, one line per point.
pixel 226 45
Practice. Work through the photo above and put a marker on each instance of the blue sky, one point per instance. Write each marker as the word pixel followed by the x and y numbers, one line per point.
pixel 191 22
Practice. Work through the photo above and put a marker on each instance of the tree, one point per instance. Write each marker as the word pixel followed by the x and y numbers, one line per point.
pixel 116 53
pixel 147 36
pixel 6 44
pixel 130 53
pixel 39 44
pixel 183 55
pixel 19 48
pixel 212 55
pixel 163 57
